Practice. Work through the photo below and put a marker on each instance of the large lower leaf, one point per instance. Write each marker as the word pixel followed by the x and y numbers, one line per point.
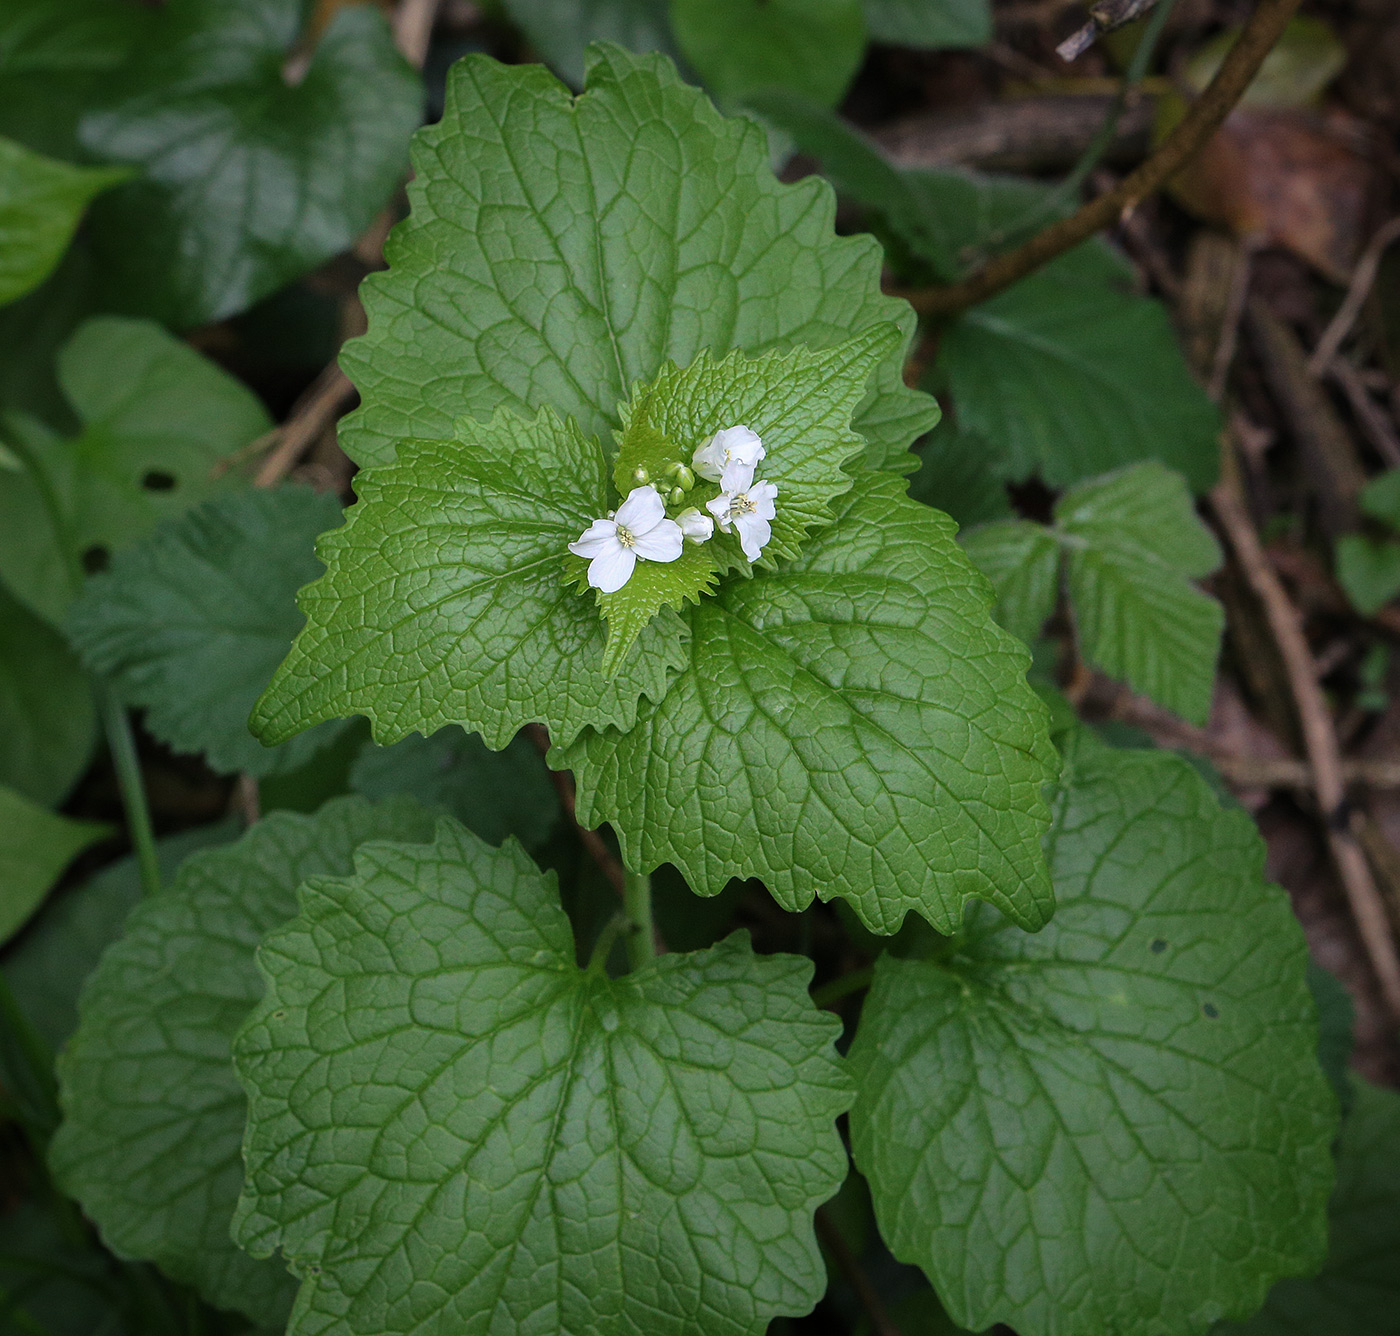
pixel 35 846
pixel 813 47
pixel 252 175
pixel 190 624
pixel 558 251
pixel 1118 1124
pixel 853 724
pixel 156 417
pixel 153 1115
pixel 560 30
pixel 41 201
pixel 1358 1288
pixel 47 721
pixel 444 599
pixel 454 1129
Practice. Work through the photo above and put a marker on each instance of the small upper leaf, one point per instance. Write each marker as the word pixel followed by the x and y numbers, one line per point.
pixel 190 624
pixel 559 251
pixel 47 720
pixel 35 846
pixel 454 1128
pixel 1022 560
pixel 560 30
pixel 41 201
pixel 1118 1124
pixel 444 599
pixel 156 419
pixel 252 176
pixel 813 47
pixel 153 1114
pixel 852 724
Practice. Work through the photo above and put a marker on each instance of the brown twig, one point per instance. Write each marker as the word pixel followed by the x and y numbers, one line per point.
pixel 1362 277
pixel 1202 119
pixel 327 398
pixel 834 1241
pixel 1261 772
pixel 1370 416
pixel 413 29
pixel 1319 735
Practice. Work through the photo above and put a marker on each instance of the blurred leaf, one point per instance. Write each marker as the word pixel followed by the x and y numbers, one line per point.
pixel 190 623
pixel 1022 560
pixel 1357 1292
pixel 494 793
pixel 1380 498
pixel 254 173
pixel 813 47
pixel 41 201
pixel 156 417
pixel 561 29
pixel 47 964
pixel 1336 1024
pixel 51 1286
pixel 32 330
pixel 48 723
pixel 153 1113
pixel 35 846
pixel 930 24
pixel 962 474
pixel 1369 570
pixel 1304 60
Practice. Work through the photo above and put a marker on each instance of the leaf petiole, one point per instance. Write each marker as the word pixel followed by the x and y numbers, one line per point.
pixel 636 904
pixel 122 744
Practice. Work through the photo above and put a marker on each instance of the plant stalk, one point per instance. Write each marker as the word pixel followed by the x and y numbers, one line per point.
pixel 1203 118
pixel 122 744
pixel 641 929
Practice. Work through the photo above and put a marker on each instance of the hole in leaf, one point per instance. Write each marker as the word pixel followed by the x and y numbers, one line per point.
pixel 158 480
pixel 1211 1010
pixel 96 559
pixel 1158 946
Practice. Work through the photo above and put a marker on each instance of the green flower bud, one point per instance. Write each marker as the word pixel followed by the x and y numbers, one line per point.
pixel 641 477
pixel 676 495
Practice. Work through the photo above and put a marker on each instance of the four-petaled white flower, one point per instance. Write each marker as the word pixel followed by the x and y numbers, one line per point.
pixel 640 529
pixel 733 445
pixel 746 506
pixel 696 527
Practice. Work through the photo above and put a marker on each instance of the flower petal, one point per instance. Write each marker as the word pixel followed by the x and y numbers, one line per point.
pixel 754 533
pixel 596 539
pixel 718 506
pixel 737 476
pixel 696 527
pixel 763 495
pixel 642 511
pixel 609 571
pixel 663 543
pixel 708 460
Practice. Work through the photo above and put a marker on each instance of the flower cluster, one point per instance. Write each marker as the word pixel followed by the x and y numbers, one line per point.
pixel 640 530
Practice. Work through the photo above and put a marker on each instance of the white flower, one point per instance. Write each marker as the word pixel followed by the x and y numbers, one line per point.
pixel 640 529
pixel 733 445
pixel 748 508
pixel 696 527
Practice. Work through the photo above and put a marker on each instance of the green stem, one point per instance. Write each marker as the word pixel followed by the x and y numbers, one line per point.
pixel 122 744
pixel 636 904
pixel 831 993
pixel 1093 154
pixel 607 939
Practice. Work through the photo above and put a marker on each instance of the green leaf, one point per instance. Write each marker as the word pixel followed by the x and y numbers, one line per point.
pixel 153 1114
pixel 190 624
pixel 52 1285
pixel 252 176
pixel 48 724
pixel 543 265
pixel 32 330
pixel 800 403
pixel 813 47
pixel 1118 1124
pixel 960 474
pixel 156 419
pixel 1022 560
pixel 494 793
pixel 1358 1288
pixel 1369 570
pixel 534 1146
pixel 853 724
pixel 45 967
pixel 444 599
pixel 41 201
pixel 560 30
pixel 1133 545
pixel 1306 58
pixel 1073 378
pixel 930 24
pixel 35 846
pixel 1380 498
